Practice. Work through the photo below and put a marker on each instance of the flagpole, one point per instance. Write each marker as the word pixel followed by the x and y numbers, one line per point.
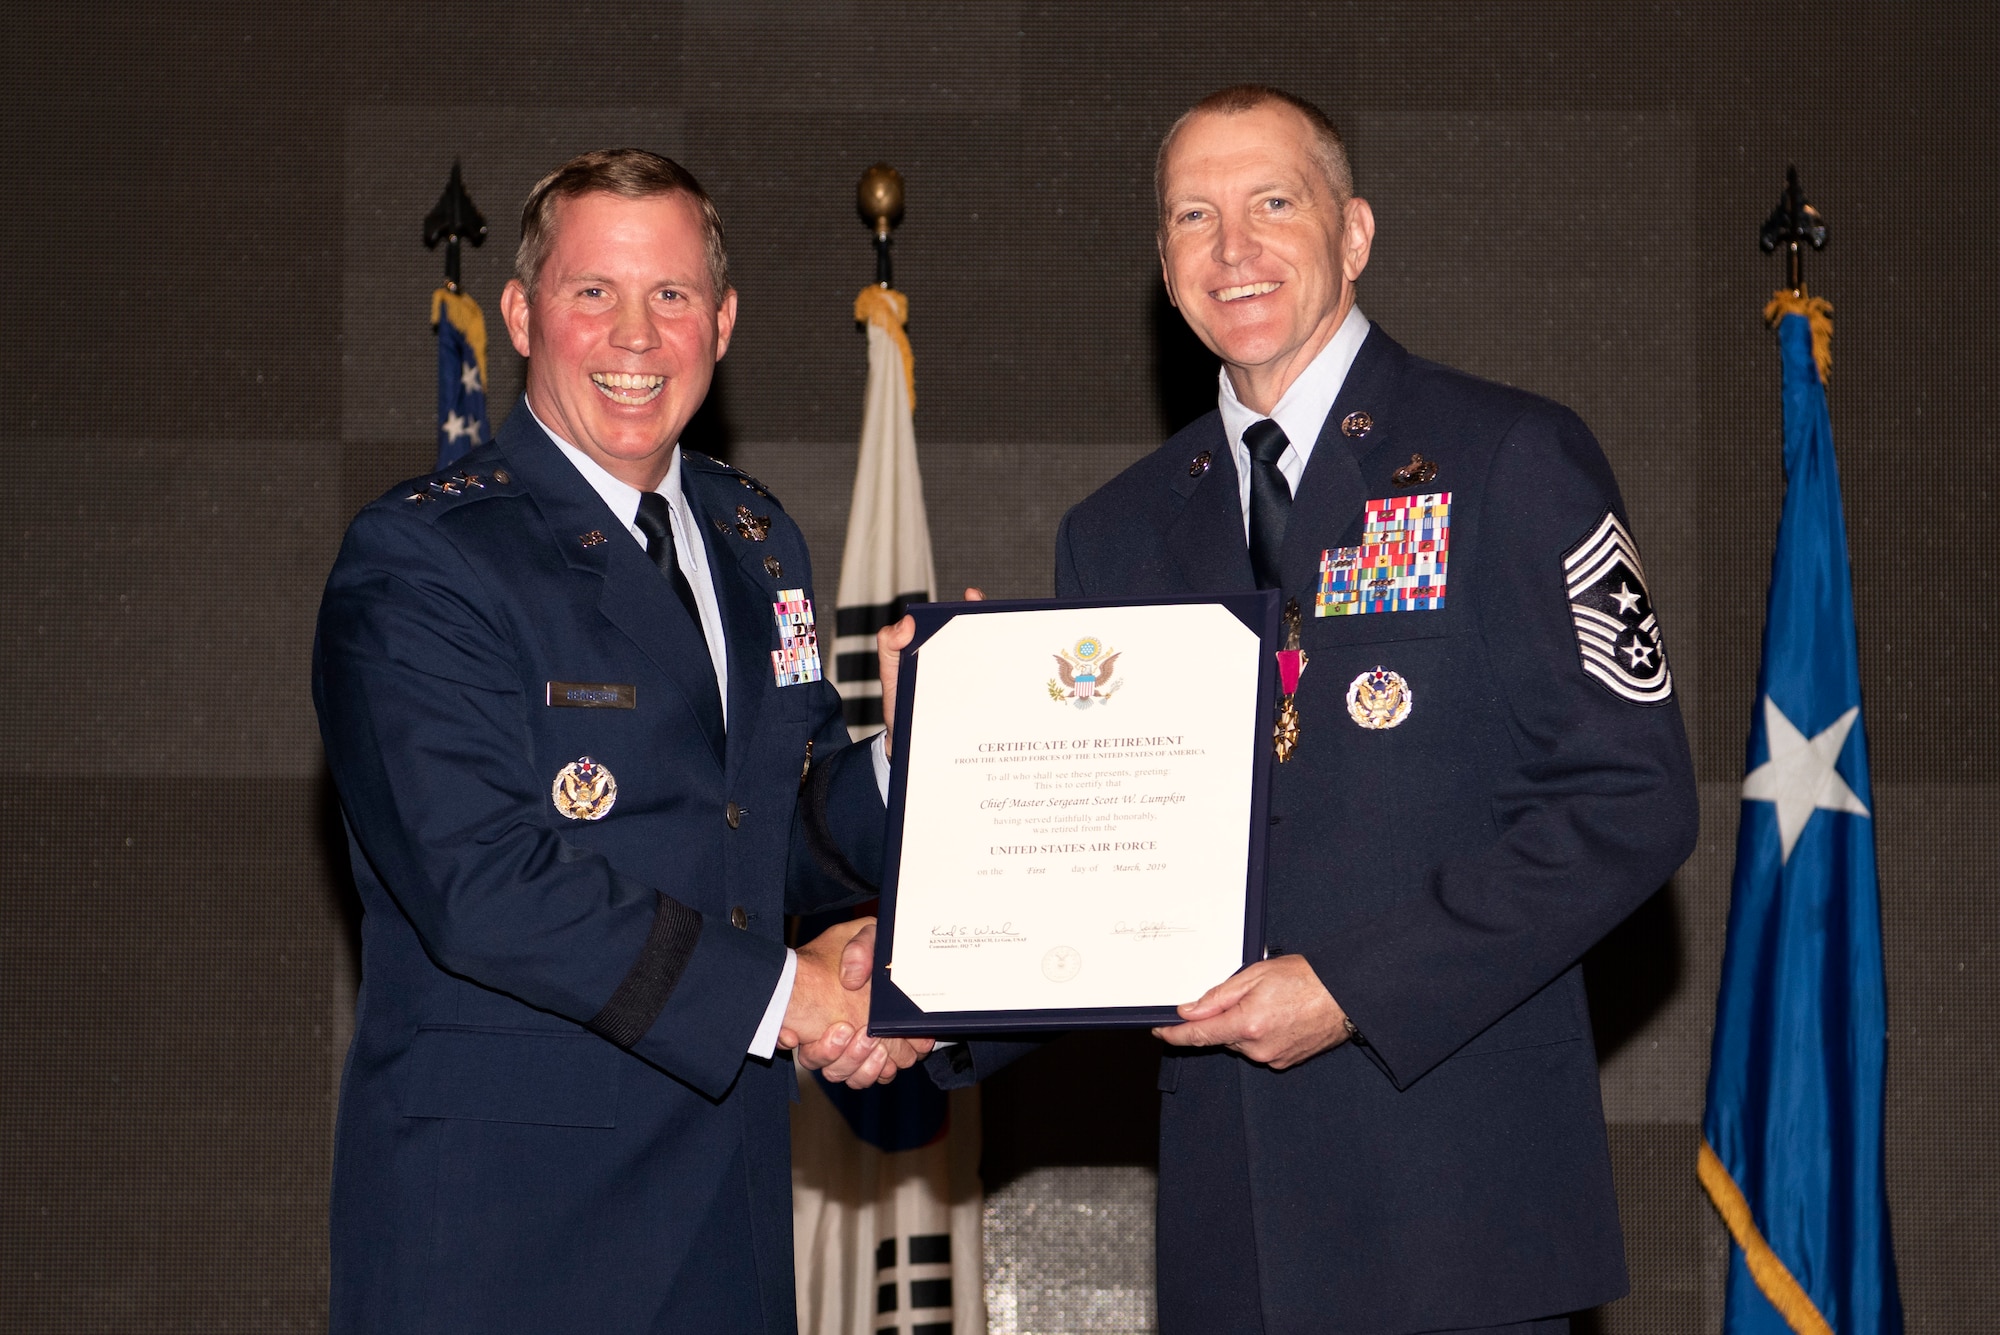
pixel 453 220
pixel 460 326
pixel 1794 224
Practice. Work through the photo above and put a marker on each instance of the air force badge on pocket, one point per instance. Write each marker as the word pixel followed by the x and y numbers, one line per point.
pixel 1617 633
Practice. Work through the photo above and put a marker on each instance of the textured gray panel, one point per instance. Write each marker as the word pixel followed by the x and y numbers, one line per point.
pixel 169 955
pixel 158 600
pixel 1675 1248
pixel 1071 1249
pixel 1939 846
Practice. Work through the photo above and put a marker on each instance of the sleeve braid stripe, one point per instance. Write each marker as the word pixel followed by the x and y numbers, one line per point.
pixel 646 988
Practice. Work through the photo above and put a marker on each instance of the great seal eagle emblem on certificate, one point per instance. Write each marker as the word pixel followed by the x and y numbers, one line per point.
pixel 584 790
pixel 1379 699
pixel 1083 674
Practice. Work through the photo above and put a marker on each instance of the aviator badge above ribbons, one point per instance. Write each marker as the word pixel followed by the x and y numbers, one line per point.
pixel 1616 632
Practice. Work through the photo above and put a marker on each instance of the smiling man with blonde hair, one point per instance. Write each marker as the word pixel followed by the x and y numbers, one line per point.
pixel 588 760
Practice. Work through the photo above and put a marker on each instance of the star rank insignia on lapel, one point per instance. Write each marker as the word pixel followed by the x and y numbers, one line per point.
pixel 754 527
pixel 457 484
pixel 1617 634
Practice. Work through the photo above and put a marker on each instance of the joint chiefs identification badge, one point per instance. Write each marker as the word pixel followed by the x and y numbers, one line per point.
pixel 1616 632
pixel 584 790
pixel 1379 699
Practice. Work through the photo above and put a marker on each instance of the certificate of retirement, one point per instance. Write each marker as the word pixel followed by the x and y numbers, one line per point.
pixel 1079 792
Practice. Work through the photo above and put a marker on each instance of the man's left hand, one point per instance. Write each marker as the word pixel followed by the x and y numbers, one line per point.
pixel 1276 1012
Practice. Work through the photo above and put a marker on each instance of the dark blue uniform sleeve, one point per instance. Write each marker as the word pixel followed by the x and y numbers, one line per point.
pixel 839 836
pixel 1594 808
pixel 424 718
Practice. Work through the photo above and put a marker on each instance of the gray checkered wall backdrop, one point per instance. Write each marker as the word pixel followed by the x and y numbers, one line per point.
pixel 215 349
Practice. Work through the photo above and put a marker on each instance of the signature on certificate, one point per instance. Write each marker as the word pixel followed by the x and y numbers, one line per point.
pixel 1149 930
pixel 961 936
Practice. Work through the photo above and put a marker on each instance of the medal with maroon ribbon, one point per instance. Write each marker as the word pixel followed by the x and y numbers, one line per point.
pixel 1291 666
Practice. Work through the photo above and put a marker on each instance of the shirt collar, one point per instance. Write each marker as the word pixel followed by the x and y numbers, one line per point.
pixel 1306 402
pixel 622 497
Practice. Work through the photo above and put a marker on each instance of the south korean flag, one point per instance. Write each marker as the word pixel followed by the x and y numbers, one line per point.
pixel 1616 631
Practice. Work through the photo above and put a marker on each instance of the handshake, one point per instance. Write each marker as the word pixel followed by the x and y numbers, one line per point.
pixel 826 1021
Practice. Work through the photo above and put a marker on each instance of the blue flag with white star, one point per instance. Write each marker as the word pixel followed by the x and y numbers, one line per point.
pixel 461 346
pixel 1792 1138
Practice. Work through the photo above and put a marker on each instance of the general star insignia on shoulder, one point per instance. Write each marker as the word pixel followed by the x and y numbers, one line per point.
pixel 1379 699
pixel 584 790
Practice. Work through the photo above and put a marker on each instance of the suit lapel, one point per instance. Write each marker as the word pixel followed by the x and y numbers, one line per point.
pixel 1206 538
pixel 736 564
pixel 634 598
pixel 1332 492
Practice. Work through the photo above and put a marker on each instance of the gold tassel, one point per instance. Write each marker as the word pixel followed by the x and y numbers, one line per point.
pixel 890 309
pixel 1773 1279
pixel 1818 312
pixel 471 321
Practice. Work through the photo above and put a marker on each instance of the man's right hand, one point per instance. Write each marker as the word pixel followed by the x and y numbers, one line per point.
pixel 830 1004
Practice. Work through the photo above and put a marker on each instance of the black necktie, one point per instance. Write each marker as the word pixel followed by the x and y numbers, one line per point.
pixel 1270 500
pixel 654 521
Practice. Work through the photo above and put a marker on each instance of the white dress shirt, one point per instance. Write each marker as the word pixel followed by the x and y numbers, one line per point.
pixel 1301 411
pixel 623 499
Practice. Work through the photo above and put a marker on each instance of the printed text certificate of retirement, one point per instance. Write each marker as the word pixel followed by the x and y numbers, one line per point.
pixel 1076 818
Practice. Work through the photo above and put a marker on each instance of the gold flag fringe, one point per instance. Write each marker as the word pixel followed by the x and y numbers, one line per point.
pixel 890 309
pixel 1774 1280
pixel 471 322
pixel 1818 312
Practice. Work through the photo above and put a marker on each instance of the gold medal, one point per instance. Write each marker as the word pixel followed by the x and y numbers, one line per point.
pixel 1291 664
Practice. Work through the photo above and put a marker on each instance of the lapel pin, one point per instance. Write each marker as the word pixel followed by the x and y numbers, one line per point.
pixel 774 567
pixel 1356 425
pixel 500 476
pixel 1415 473
pixel 1199 464
pixel 590 539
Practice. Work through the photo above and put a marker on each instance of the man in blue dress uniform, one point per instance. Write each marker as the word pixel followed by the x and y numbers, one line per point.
pixel 1392 1123
pixel 572 699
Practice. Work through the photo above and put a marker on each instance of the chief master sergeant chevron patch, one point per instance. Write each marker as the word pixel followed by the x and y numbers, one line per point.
pixel 1616 631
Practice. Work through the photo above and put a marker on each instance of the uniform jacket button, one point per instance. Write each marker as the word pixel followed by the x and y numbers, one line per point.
pixel 738 918
pixel 733 814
